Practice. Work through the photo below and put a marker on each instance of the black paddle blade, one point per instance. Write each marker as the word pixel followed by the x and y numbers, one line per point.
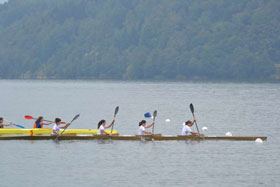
pixel 76 117
pixel 116 111
pixel 191 107
pixel 155 114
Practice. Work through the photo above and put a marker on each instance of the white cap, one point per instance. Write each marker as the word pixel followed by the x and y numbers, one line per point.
pixel 228 134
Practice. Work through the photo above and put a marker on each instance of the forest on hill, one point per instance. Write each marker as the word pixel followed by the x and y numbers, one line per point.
pixel 206 40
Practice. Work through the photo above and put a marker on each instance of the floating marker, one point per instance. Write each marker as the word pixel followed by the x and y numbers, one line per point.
pixel 167 120
pixel 204 128
pixel 258 140
pixel 228 134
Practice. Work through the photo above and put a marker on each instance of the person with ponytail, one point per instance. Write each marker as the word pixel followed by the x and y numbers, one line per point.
pixel 102 126
pixel 187 128
pixel 142 128
pixel 39 122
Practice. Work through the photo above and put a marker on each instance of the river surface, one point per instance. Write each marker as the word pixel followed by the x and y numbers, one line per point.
pixel 242 109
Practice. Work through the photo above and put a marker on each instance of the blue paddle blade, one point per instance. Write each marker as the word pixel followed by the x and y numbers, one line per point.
pixel 147 115
pixel 20 126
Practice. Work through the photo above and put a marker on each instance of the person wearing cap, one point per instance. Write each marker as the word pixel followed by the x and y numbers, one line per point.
pixel 2 125
pixel 187 128
pixel 142 128
pixel 56 127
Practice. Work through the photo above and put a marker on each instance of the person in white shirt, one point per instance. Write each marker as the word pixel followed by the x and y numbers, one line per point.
pixel 102 126
pixel 142 128
pixel 56 127
pixel 187 128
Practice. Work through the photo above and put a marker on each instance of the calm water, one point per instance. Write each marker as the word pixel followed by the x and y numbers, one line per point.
pixel 243 109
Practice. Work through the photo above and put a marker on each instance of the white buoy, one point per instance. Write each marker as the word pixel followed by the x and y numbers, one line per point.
pixel 167 120
pixel 258 140
pixel 204 128
pixel 228 134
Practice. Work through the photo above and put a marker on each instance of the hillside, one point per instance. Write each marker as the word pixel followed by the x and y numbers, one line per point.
pixel 215 40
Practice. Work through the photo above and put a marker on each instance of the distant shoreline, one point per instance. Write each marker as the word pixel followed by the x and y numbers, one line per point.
pixel 154 81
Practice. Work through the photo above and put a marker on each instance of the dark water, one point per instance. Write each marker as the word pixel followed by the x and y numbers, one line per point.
pixel 243 109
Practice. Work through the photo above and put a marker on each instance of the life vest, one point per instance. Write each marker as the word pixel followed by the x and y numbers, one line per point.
pixel 37 125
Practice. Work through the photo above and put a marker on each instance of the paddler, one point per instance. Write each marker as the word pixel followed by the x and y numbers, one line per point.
pixel 39 122
pixel 2 125
pixel 102 126
pixel 142 128
pixel 56 127
pixel 187 128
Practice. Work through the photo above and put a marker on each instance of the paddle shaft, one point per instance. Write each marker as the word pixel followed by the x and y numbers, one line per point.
pixel 154 118
pixel 115 114
pixel 153 125
pixel 112 126
pixel 196 124
pixel 20 126
pixel 30 117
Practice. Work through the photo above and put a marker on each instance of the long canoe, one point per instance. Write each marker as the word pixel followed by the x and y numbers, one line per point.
pixel 134 137
pixel 47 131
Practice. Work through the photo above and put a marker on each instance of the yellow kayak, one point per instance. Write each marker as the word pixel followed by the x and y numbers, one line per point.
pixel 45 131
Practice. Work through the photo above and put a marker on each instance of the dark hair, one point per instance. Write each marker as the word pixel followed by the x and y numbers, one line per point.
pixel 187 122
pixel 100 123
pixel 1 118
pixel 57 120
pixel 39 119
pixel 141 122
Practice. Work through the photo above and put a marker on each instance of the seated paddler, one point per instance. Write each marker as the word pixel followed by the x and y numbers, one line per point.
pixel 102 126
pixel 187 128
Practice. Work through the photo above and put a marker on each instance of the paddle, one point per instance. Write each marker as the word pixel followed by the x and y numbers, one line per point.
pixel 115 114
pixel 19 126
pixel 76 117
pixel 192 110
pixel 154 118
pixel 30 117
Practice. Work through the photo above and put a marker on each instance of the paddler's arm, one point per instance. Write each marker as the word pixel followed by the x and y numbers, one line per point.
pixel 148 126
pixel 194 133
pixel 104 132
pixel 147 132
pixel 67 124
pixel 110 124
pixel 54 131
pixel 47 123
pixel 6 124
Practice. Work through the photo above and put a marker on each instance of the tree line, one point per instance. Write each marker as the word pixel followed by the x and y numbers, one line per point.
pixel 204 40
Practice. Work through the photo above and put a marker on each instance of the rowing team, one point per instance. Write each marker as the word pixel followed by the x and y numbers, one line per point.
pixel 39 123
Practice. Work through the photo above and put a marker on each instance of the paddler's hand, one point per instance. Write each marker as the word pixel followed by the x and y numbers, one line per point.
pixel 194 118
pixel 68 123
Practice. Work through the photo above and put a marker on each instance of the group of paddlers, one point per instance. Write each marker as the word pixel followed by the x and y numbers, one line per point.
pixel 39 123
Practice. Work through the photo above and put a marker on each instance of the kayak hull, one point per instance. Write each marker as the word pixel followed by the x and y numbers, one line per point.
pixel 134 137
pixel 48 131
